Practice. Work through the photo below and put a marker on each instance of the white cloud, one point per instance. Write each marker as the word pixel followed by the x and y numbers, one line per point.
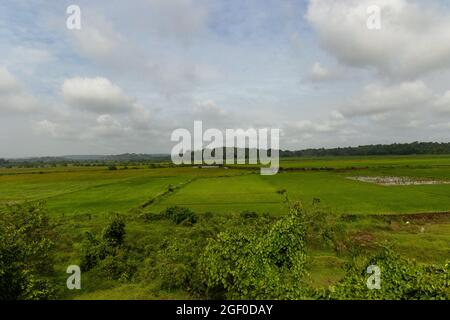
pixel 334 122
pixel 8 83
pixel 443 103
pixel 28 57
pixel 95 43
pixel 98 95
pixel 46 127
pixel 181 20
pixel 208 109
pixel 107 126
pixel 216 116
pixel 13 98
pixel 320 73
pixel 413 39
pixel 140 118
pixel 378 99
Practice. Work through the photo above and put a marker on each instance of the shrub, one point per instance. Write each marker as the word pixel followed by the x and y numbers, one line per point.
pixel 180 215
pixel 117 267
pixel 258 265
pixel 150 216
pixel 26 259
pixel 177 265
pixel 248 215
pixel 401 279
pixel 94 249
pixel 114 233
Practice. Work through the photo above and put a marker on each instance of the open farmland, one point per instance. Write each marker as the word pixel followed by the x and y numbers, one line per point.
pixel 413 219
pixel 99 190
pixel 327 181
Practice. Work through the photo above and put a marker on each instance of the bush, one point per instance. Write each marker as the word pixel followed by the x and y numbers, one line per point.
pixel 117 267
pixel 401 279
pixel 112 168
pixel 180 215
pixel 150 216
pixel 26 259
pixel 177 265
pixel 114 233
pixel 258 265
pixel 248 215
pixel 93 250
pixel 104 251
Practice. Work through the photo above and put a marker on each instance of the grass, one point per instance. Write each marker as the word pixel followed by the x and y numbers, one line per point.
pixel 81 199
pixel 226 195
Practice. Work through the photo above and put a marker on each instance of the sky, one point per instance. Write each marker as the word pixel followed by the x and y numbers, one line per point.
pixel 137 70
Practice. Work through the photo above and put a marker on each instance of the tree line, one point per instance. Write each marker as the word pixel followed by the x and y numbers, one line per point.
pixel 414 148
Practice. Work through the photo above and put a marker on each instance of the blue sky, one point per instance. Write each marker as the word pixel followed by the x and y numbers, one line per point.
pixel 136 71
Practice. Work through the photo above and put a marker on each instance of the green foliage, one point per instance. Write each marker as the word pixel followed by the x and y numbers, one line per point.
pixel 177 265
pixel 180 215
pixel 93 250
pixel 401 279
pixel 107 253
pixel 258 265
pixel 112 168
pixel 26 258
pixel 117 266
pixel 324 229
pixel 248 215
pixel 114 233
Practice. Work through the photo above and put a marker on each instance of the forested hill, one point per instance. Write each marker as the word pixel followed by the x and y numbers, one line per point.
pixel 373 150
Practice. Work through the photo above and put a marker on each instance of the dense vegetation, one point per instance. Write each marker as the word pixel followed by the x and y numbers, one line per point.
pixel 26 261
pixel 247 256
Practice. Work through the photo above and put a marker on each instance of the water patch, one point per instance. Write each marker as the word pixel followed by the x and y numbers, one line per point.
pixel 398 181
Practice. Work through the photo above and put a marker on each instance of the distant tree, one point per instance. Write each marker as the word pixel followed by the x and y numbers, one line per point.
pixel 375 150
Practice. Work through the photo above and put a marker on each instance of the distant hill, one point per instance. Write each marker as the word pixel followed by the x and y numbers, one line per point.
pixel 126 157
pixel 119 157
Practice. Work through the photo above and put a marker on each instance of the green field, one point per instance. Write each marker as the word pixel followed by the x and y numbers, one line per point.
pixel 97 190
pixel 81 199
